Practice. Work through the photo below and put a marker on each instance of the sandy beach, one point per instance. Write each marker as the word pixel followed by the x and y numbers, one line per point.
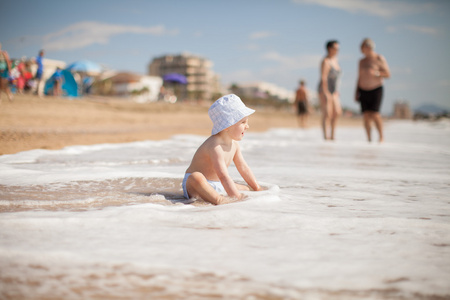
pixel 30 122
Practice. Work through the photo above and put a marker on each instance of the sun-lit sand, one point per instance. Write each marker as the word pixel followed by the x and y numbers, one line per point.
pixel 30 122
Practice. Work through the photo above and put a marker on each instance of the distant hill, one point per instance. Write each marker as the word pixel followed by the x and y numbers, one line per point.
pixel 430 109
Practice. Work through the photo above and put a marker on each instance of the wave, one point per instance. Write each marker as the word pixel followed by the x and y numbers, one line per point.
pixel 82 195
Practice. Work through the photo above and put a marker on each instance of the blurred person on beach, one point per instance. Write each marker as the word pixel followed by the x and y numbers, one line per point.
pixel 14 75
pixel 207 176
pixel 372 69
pixel 21 79
pixel 88 81
pixel 301 104
pixel 58 81
pixel 28 76
pixel 5 69
pixel 39 72
pixel 328 90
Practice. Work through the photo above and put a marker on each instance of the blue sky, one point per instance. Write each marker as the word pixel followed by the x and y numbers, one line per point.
pixel 278 41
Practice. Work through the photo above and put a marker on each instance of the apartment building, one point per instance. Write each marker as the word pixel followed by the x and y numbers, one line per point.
pixel 402 110
pixel 264 89
pixel 202 82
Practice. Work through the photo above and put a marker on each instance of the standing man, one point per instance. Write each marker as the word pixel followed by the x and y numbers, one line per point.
pixel 373 68
pixel 301 104
pixel 39 72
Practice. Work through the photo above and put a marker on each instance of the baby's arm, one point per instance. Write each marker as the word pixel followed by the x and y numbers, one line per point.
pixel 220 167
pixel 245 170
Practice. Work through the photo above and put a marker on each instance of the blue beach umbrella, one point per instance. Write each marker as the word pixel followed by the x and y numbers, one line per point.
pixel 85 66
pixel 175 78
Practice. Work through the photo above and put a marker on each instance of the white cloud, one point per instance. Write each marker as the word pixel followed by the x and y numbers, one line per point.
pixel 372 7
pixel 261 35
pixel 83 34
pixel 297 62
pixel 422 29
pixel 414 28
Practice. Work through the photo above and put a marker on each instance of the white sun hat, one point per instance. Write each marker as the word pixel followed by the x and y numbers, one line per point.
pixel 227 111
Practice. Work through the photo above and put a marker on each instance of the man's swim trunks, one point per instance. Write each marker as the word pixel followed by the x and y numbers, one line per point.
pixel 217 185
pixel 301 109
pixel 370 100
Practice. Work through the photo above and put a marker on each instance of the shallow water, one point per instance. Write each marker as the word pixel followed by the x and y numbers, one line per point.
pixel 341 220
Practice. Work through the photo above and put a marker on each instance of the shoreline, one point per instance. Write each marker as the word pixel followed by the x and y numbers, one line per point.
pixel 31 122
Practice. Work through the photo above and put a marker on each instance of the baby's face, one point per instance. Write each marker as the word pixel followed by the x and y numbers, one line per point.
pixel 237 130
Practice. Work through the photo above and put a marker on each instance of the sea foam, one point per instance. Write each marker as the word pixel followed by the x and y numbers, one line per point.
pixel 338 220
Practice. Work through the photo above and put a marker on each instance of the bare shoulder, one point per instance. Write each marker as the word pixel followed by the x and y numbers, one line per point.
pixel 209 144
pixel 326 64
pixel 381 57
pixel 214 145
pixel 326 61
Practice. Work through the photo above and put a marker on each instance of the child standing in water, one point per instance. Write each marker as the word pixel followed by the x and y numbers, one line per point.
pixel 207 177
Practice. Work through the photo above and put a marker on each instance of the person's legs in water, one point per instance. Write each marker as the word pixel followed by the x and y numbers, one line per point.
pixel 379 125
pixel 367 118
pixel 336 112
pixel 197 186
pixel 325 107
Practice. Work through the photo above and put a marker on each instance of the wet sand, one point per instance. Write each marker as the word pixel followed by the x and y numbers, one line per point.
pixel 30 122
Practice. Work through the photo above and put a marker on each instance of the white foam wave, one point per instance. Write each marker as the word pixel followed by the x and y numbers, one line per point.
pixel 335 217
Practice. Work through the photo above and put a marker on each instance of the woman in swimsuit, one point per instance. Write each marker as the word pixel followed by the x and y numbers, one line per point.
pixel 5 68
pixel 328 91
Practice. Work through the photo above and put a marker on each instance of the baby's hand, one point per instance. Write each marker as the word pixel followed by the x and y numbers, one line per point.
pixel 228 199
pixel 260 188
pixel 242 197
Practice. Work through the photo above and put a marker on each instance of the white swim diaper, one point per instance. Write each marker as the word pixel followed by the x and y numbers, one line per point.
pixel 217 186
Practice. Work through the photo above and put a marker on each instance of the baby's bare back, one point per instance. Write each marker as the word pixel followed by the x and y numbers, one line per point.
pixel 204 160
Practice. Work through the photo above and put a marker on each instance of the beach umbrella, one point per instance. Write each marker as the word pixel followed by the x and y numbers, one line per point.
pixel 85 66
pixel 175 78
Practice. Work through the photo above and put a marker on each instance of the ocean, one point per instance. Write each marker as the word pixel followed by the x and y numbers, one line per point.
pixel 339 220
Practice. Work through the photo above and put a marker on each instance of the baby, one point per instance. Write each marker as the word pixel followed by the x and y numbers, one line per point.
pixel 207 177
